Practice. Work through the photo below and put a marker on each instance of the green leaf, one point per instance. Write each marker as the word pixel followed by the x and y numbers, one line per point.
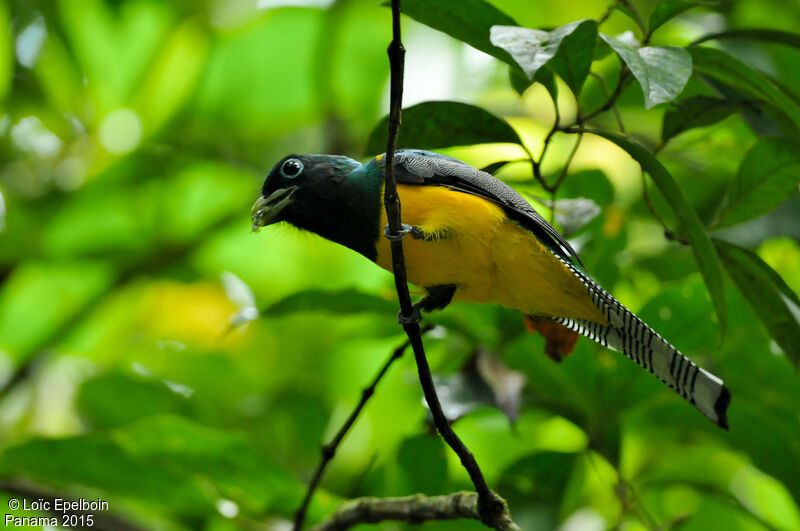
pixel 548 80
pixel 466 20
pixel 698 111
pixel 226 460
pixel 666 10
pixel 773 302
pixel 97 462
pixel 98 399
pixel 540 477
pixel 347 301
pixel 423 463
pixel 519 81
pixel 662 71
pixel 732 72
pixel 572 214
pixel 165 461
pixel 625 10
pixel 568 50
pixel 758 34
pixel 173 75
pixel 27 325
pixel 769 172
pixel 6 52
pixel 438 124
pixel 494 167
pixel 704 253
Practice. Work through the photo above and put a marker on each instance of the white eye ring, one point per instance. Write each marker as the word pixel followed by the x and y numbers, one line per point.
pixel 291 168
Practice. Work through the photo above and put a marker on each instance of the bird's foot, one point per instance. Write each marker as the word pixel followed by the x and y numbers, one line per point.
pixel 404 229
pixel 414 318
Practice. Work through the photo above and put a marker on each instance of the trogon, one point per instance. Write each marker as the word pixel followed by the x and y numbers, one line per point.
pixel 473 238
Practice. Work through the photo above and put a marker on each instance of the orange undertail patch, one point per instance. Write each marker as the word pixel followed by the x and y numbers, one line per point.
pixel 559 340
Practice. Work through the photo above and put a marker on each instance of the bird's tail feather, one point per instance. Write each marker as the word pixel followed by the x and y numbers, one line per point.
pixel 631 336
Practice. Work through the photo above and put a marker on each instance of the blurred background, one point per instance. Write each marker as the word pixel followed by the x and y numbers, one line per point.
pixel 156 354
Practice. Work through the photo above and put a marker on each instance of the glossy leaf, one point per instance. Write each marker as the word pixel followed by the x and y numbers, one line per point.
pixel 730 71
pixel 772 301
pixel 666 10
pixel 438 124
pixel 568 50
pixel 338 302
pixel 662 71
pixel 769 172
pixel 704 253
pixel 697 111
pixel 466 20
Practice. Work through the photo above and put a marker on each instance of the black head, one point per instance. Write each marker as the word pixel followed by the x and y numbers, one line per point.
pixel 333 196
pixel 294 178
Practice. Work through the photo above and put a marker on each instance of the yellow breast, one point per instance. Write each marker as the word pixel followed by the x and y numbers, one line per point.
pixel 487 256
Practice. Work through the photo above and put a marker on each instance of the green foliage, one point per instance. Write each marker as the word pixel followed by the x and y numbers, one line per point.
pixel 707 259
pixel 567 50
pixel 662 71
pixel 697 111
pixel 775 304
pixel 438 124
pixel 467 21
pixel 768 174
pixel 665 10
pixel 740 77
pixel 156 354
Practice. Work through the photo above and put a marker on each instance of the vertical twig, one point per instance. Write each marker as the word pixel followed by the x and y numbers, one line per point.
pixel 329 450
pixel 490 506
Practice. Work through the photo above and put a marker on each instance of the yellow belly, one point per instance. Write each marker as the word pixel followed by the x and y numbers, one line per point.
pixel 488 257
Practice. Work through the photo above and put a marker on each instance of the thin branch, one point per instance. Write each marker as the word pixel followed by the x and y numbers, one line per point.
pixel 490 507
pixel 565 169
pixel 604 85
pixel 412 509
pixel 329 450
pixel 622 84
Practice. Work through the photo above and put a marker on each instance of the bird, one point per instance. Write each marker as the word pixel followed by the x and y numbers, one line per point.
pixel 471 237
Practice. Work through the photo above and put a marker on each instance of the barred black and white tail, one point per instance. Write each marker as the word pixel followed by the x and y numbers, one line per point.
pixel 631 336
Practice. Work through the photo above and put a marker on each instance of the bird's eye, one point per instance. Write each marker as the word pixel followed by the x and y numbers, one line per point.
pixel 291 168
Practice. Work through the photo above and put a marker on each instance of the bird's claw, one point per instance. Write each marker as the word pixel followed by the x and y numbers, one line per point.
pixel 404 229
pixel 414 318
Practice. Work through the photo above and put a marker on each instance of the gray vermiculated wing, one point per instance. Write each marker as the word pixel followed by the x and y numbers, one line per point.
pixel 428 168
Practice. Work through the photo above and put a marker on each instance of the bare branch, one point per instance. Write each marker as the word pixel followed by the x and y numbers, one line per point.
pixel 329 450
pixel 490 506
pixel 412 509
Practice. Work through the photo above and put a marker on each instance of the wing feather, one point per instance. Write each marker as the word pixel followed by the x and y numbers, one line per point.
pixel 419 167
